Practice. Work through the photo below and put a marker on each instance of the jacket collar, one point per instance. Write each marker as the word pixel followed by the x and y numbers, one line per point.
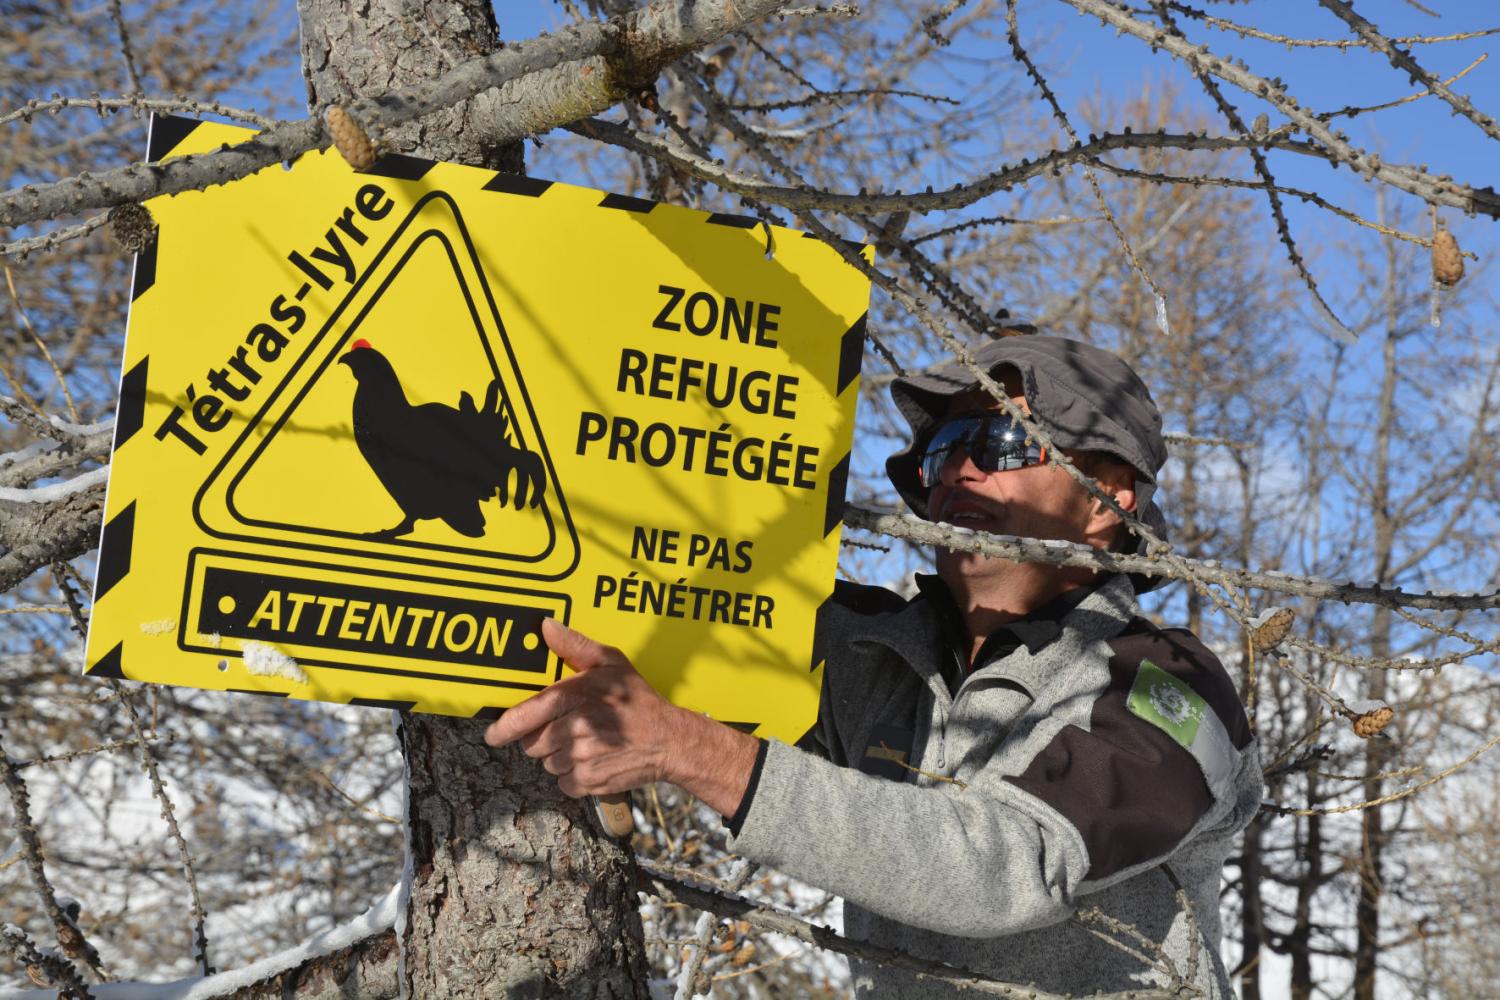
pixel 1101 615
pixel 917 634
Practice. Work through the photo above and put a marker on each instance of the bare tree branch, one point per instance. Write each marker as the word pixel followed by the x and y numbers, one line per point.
pixel 1402 60
pixel 655 880
pixel 1057 553
pixel 633 48
pixel 1335 145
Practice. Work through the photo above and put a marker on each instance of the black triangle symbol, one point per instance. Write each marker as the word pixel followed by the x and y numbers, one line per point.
pixel 385 454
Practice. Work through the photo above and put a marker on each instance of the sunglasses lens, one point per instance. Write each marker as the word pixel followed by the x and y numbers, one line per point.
pixel 994 443
pixel 948 437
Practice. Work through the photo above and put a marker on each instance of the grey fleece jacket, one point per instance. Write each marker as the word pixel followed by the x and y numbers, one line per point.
pixel 1098 764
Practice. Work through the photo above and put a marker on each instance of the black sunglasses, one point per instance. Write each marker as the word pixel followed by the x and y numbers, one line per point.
pixel 994 441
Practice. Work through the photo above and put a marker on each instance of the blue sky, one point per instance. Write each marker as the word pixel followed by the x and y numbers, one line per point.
pixel 1085 59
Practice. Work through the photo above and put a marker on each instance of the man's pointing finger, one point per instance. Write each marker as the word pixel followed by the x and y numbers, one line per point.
pixel 532 714
pixel 576 649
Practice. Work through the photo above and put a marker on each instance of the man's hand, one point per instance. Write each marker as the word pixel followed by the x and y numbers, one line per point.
pixel 607 730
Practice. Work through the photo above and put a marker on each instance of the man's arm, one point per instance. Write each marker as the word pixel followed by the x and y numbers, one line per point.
pixel 980 859
pixel 605 729
pixel 958 861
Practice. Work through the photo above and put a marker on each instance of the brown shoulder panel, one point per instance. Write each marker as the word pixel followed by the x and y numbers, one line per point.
pixel 1130 790
pixel 1183 655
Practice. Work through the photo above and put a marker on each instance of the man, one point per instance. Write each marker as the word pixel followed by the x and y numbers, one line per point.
pixel 1013 746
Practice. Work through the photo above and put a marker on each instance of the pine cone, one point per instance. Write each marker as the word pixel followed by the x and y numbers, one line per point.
pixel 349 139
pixel 1447 261
pixel 131 226
pixel 1373 721
pixel 1270 627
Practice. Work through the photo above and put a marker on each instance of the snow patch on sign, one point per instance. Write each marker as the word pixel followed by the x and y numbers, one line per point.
pixel 161 627
pixel 268 661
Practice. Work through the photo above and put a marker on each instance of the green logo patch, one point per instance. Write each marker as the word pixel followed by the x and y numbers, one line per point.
pixel 1167 703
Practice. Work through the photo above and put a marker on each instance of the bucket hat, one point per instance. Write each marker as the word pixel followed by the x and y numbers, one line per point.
pixel 1084 397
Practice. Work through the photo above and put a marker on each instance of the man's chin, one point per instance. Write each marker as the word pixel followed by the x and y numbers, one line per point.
pixel 952 564
pixel 988 525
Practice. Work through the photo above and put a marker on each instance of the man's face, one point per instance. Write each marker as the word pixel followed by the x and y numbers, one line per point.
pixel 1038 501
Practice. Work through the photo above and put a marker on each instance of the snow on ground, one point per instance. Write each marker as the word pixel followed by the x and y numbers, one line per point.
pixel 377 918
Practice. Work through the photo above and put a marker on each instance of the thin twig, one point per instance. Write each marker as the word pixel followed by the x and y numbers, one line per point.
pixel 149 764
pixel 49 241
pixel 62 383
pixel 1245 31
pixel 1407 792
pixel 1058 553
pixel 1263 171
pixel 73 943
pixel 142 105
pixel 1351 111
pixel 68 755
pixel 1417 182
pixel 1312 198
pixel 1404 61
pixel 1013 32
pixel 660 883
pixel 118 16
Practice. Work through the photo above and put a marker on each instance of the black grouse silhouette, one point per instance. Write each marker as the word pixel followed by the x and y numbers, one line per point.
pixel 434 460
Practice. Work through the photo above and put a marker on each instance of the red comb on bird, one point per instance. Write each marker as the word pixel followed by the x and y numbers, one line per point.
pixel 358 344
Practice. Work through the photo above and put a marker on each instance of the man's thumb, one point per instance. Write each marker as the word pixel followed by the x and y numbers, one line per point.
pixel 576 649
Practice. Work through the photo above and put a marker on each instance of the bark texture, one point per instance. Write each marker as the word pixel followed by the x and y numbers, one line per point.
pixel 351 51
pixel 33 535
pixel 516 891
pixel 366 970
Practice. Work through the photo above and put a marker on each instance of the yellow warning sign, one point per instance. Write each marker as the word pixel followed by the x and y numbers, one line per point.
pixel 375 427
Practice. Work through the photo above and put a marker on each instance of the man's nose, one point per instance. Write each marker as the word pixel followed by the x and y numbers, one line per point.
pixel 958 467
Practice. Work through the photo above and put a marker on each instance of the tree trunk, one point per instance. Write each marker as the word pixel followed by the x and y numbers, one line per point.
pixel 1252 920
pixel 1298 943
pixel 1373 835
pixel 516 892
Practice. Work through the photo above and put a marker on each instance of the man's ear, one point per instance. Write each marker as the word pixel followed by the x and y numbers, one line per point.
pixel 1125 498
pixel 1117 479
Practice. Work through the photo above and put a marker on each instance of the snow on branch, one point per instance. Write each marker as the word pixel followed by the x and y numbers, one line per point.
pixel 56 491
pixel 33 535
pixel 42 967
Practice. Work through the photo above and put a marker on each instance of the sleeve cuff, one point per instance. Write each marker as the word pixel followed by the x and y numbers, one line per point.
pixel 738 819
